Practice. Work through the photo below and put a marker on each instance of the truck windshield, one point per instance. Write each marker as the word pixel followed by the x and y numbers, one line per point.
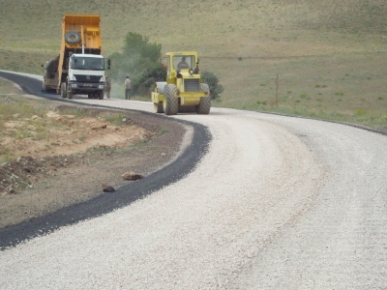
pixel 87 63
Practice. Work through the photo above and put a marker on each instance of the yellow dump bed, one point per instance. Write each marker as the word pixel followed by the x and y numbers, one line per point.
pixel 80 34
pixel 78 29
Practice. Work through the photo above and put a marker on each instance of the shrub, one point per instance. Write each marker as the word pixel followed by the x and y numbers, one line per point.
pixel 141 60
pixel 212 80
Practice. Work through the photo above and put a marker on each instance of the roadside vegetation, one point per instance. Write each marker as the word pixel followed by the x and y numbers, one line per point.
pixel 25 123
pixel 141 61
pixel 315 58
pixel 213 83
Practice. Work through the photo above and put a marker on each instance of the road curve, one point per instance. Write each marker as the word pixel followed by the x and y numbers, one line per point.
pixel 276 203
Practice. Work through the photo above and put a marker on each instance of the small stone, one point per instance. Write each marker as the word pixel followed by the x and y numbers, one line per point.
pixel 107 188
pixel 31 128
pixel 131 176
pixel 52 114
pixel 99 127
pixel 11 190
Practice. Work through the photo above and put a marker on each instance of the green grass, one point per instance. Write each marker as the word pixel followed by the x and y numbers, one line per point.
pixel 331 56
pixel 82 138
pixel 12 106
pixel 19 112
pixel 163 131
pixel 115 119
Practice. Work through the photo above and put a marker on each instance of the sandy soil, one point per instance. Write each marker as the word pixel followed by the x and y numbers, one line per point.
pixel 83 153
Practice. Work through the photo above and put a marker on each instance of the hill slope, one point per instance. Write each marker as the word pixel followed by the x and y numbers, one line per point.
pixel 210 25
pixel 330 56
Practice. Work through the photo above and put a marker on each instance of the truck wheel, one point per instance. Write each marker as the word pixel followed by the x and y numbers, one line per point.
pixel 158 107
pixel 100 95
pixel 63 91
pixel 69 95
pixel 72 37
pixel 171 104
pixel 204 106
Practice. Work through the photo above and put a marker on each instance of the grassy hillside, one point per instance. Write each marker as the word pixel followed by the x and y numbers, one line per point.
pixel 217 27
pixel 330 56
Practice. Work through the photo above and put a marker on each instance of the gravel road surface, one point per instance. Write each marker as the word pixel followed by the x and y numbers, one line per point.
pixel 276 203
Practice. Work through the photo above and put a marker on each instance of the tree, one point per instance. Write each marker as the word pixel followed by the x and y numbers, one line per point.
pixel 141 60
pixel 212 80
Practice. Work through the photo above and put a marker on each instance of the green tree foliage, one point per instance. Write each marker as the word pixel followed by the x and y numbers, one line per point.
pixel 141 60
pixel 212 80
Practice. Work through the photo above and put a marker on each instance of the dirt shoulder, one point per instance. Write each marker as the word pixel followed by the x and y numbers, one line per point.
pixel 80 152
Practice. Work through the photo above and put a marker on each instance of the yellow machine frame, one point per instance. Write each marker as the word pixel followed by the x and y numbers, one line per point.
pixel 181 78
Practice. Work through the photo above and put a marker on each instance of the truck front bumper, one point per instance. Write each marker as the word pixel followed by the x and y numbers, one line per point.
pixel 85 87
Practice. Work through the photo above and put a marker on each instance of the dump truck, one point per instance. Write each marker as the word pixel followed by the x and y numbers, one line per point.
pixel 184 90
pixel 79 68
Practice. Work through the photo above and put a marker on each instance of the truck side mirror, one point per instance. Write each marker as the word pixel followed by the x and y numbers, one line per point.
pixel 109 63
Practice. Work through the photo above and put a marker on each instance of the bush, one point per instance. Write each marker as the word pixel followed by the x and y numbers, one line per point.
pixel 215 88
pixel 141 60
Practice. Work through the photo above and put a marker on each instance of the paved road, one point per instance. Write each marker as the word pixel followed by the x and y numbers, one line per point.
pixel 276 203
